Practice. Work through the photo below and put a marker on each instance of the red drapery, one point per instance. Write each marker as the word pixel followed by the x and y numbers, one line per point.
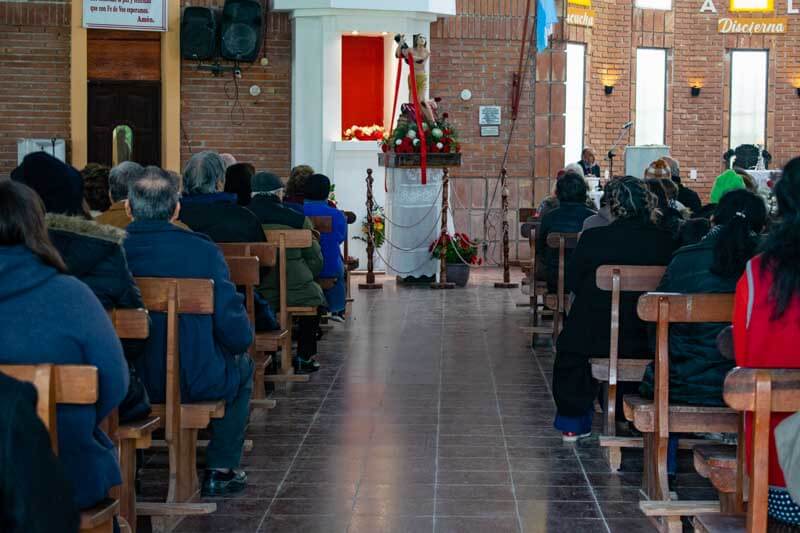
pixel 362 81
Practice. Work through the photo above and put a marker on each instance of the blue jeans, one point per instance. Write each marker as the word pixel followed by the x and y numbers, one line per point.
pixel 337 296
pixel 227 440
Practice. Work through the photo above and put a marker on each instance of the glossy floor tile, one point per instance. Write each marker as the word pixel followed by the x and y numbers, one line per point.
pixel 431 414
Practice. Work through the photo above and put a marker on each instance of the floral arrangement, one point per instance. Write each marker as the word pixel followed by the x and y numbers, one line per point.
pixel 459 247
pixel 363 133
pixel 379 222
pixel 440 136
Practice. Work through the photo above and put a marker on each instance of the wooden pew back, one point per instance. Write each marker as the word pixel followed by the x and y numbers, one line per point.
pixel 266 253
pixel 761 392
pixel 562 242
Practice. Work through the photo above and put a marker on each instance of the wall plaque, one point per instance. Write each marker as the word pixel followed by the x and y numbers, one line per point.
pixel 148 15
pixel 490 115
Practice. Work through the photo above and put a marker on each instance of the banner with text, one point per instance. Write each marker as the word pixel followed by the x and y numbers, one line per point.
pixel 144 15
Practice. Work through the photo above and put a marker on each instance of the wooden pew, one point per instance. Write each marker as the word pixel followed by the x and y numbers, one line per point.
pixel 287 239
pixel 131 324
pixel 657 418
pixel 67 384
pixel 245 261
pixel 350 263
pixel 324 225
pixel 558 302
pixel 181 421
pixel 611 370
pixel 761 392
pixel 537 290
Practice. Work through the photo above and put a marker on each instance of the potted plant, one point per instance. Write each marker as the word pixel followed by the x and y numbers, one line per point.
pixel 461 253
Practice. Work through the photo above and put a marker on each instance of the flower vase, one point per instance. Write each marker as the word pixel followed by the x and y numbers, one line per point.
pixel 458 273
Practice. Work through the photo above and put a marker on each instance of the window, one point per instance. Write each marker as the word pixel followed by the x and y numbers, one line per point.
pixel 666 5
pixel 651 89
pixel 752 5
pixel 748 97
pixel 573 143
pixel 362 84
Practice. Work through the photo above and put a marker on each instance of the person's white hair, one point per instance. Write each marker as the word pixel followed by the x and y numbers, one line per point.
pixel 574 168
pixel 228 159
pixel 204 173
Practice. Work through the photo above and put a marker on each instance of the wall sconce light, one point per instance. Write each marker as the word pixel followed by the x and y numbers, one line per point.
pixel 608 89
pixel 696 90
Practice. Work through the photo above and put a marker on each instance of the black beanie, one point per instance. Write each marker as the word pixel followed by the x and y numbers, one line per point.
pixel 59 185
pixel 318 187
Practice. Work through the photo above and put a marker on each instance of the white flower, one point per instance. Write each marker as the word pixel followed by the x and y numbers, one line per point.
pixel 437 133
pixel 439 146
pixel 398 142
pixel 411 134
pixel 415 142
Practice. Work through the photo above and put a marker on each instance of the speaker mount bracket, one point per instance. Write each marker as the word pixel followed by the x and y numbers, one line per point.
pixel 218 69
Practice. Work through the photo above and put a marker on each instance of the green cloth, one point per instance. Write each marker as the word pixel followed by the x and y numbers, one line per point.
pixel 727 181
pixel 302 268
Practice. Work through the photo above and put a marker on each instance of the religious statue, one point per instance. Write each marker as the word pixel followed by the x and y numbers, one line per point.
pixel 421 55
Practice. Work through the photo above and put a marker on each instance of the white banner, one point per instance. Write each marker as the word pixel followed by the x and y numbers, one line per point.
pixel 146 15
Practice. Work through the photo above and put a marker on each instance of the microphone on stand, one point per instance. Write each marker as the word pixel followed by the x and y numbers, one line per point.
pixel 613 151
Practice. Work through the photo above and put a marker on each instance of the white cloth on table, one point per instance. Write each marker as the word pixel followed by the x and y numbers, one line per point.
pixel 762 177
pixel 412 221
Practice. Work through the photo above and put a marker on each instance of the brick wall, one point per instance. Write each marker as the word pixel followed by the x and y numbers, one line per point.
pixel 696 127
pixel 256 130
pixel 479 50
pixel 34 85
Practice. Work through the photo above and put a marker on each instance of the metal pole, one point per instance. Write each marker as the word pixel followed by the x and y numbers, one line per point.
pixel 443 284
pixel 506 284
pixel 370 284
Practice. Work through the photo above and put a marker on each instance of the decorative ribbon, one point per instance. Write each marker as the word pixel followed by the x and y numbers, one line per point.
pixel 420 132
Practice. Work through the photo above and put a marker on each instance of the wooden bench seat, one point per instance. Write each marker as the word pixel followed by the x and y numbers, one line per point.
pixel 718 464
pixel 99 519
pixel 719 523
pixel 657 418
pixel 682 418
pixel 627 369
pixel 559 302
pixel 195 415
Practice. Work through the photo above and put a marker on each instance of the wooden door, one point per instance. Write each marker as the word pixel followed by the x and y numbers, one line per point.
pixel 131 103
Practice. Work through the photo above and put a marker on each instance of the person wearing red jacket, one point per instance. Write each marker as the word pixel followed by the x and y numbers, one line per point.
pixel 766 323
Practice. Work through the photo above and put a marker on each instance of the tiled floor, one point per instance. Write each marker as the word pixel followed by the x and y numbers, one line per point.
pixel 431 413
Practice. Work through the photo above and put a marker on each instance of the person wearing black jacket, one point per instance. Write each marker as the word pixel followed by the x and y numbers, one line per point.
pixel 587 163
pixel 267 202
pixel 568 217
pixel 714 265
pixel 205 209
pixel 632 239
pixel 35 494
pixel 686 196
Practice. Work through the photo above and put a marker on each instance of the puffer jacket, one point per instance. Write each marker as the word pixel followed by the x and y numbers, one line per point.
pixel 303 266
pixel 696 368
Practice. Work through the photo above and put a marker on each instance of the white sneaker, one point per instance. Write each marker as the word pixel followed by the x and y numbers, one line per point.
pixel 568 436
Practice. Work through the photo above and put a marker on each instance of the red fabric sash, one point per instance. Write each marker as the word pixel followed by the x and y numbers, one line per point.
pixel 396 94
pixel 418 111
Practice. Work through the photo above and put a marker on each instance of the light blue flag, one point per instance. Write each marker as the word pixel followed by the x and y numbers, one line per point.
pixel 546 18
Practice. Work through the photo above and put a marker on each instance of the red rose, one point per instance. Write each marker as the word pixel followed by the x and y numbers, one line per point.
pixel 385 148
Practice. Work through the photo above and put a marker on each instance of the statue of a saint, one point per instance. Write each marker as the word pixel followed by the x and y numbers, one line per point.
pixel 421 55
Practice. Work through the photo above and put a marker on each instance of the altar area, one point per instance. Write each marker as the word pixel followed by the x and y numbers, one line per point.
pixel 320 87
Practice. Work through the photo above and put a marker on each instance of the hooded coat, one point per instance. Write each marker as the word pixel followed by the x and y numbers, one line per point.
pixel 208 343
pixel 31 477
pixel 303 266
pixel 219 216
pixel 696 367
pixel 71 327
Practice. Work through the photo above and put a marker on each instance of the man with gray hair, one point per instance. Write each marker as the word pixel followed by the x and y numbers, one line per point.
pixel 119 179
pixel 267 202
pixel 207 209
pixel 215 365
pixel 686 196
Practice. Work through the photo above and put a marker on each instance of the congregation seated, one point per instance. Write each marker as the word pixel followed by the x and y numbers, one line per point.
pixel 92 252
pixel 317 191
pixel 568 217
pixel 70 327
pixel 237 181
pixel 296 187
pixel 216 365
pixel 766 320
pixel 208 210
pixel 686 196
pixel 303 266
pixel 634 238
pixel 31 477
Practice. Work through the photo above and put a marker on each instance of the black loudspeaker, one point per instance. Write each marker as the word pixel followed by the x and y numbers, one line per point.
pixel 241 30
pixel 199 33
